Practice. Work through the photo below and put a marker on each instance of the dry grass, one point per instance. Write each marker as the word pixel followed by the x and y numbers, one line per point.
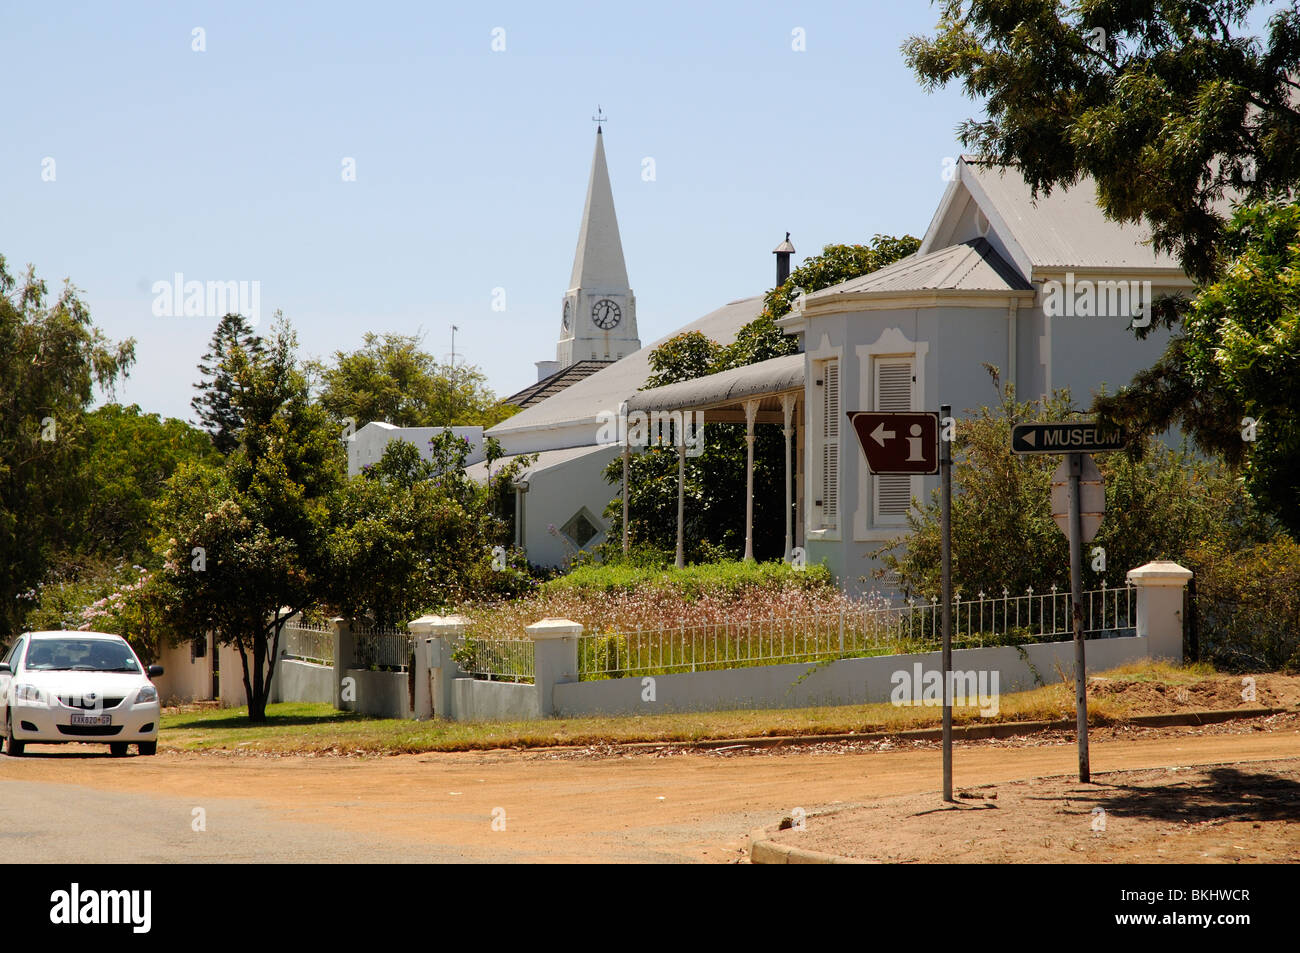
pixel 299 728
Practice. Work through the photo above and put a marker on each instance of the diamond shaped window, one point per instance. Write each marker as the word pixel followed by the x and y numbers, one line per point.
pixel 581 528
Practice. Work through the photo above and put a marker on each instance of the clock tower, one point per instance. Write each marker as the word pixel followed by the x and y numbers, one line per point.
pixel 598 312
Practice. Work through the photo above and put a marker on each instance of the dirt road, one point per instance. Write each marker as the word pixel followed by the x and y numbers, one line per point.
pixel 71 805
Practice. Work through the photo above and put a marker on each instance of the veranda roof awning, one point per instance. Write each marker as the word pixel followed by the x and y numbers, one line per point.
pixel 771 378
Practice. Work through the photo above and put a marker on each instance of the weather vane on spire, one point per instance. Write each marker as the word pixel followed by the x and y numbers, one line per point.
pixel 599 118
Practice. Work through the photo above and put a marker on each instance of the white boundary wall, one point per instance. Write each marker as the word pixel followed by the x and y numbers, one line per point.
pixel 557 692
pixel 299 681
pixel 439 688
pixel 852 681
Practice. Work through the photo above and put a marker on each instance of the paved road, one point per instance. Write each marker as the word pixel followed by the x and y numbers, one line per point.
pixel 67 805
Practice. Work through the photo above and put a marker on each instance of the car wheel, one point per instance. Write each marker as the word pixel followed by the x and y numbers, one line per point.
pixel 13 747
pixel 118 748
pixel 147 747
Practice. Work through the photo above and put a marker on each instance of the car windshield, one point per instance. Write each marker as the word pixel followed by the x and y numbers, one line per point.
pixel 80 655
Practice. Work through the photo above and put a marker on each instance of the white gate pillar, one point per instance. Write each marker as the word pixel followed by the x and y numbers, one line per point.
pixel 435 669
pixel 555 658
pixel 1160 607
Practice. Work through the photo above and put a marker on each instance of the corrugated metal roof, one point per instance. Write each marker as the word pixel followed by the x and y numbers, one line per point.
pixel 545 460
pixel 726 387
pixel 1065 229
pixel 971 266
pixel 611 385
pixel 548 387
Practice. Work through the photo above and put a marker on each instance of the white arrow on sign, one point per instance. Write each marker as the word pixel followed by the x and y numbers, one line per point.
pixel 1031 438
pixel 880 434
pixel 1092 498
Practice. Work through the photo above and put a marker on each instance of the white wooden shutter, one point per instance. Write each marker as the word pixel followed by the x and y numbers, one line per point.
pixel 830 435
pixel 893 383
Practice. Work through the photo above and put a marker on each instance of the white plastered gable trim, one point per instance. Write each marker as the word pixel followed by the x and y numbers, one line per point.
pixel 812 450
pixel 891 343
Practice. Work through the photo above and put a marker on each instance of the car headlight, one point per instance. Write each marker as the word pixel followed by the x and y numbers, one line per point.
pixel 146 694
pixel 29 693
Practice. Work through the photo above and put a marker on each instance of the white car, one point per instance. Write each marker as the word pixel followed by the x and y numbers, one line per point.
pixel 58 687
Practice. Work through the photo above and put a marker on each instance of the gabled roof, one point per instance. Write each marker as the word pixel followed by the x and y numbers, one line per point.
pixel 552 385
pixel 615 383
pixel 969 266
pixel 1060 231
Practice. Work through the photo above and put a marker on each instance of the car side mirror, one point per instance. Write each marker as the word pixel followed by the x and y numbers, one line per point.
pixel 155 671
pixel 4 667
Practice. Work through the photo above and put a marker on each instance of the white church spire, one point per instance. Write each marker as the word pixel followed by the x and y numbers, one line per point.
pixel 598 262
pixel 598 322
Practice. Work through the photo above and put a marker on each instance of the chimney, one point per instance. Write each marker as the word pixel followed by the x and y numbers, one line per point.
pixel 783 252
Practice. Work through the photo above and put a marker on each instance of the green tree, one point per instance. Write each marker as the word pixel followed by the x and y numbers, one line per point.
pixel 683 358
pixel 392 379
pixel 51 359
pixel 1170 107
pixel 1232 376
pixel 1177 113
pixel 1161 506
pixel 411 534
pixel 217 414
pixel 130 457
pixel 836 263
pixel 246 544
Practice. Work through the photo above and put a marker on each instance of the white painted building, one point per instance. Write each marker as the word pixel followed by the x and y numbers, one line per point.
pixel 1031 287
pixel 366 446
pixel 996 281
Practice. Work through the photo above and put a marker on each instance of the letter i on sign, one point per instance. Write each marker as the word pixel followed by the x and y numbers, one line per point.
pixel 914 451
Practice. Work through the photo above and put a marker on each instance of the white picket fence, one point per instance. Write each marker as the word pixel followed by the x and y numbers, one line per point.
pixel 502 660
pixel 384 647
pixel 857 631
pixel 308 642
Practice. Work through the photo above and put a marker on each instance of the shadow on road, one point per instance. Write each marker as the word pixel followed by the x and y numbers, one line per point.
pixel 60 752
pixel 1222 793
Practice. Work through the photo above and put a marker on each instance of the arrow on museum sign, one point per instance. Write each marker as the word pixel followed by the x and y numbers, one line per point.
pixel 1064 438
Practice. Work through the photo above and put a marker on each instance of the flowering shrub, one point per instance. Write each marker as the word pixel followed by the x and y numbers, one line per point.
pixel 97 597
pixel 624 598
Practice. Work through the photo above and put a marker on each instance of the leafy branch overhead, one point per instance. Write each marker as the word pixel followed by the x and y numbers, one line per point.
pixel 1171 108
pixel 1187 121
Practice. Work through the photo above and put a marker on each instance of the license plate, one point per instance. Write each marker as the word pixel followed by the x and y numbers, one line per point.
pixel 92 719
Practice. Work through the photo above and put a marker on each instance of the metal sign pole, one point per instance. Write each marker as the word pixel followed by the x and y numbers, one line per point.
pixel 1075 463
pixel 945 470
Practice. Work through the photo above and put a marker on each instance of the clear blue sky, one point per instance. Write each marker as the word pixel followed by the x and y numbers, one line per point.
pixel 471 164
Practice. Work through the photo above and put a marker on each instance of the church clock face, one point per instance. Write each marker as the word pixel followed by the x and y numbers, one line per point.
pixel 606 314
pixel 568 308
